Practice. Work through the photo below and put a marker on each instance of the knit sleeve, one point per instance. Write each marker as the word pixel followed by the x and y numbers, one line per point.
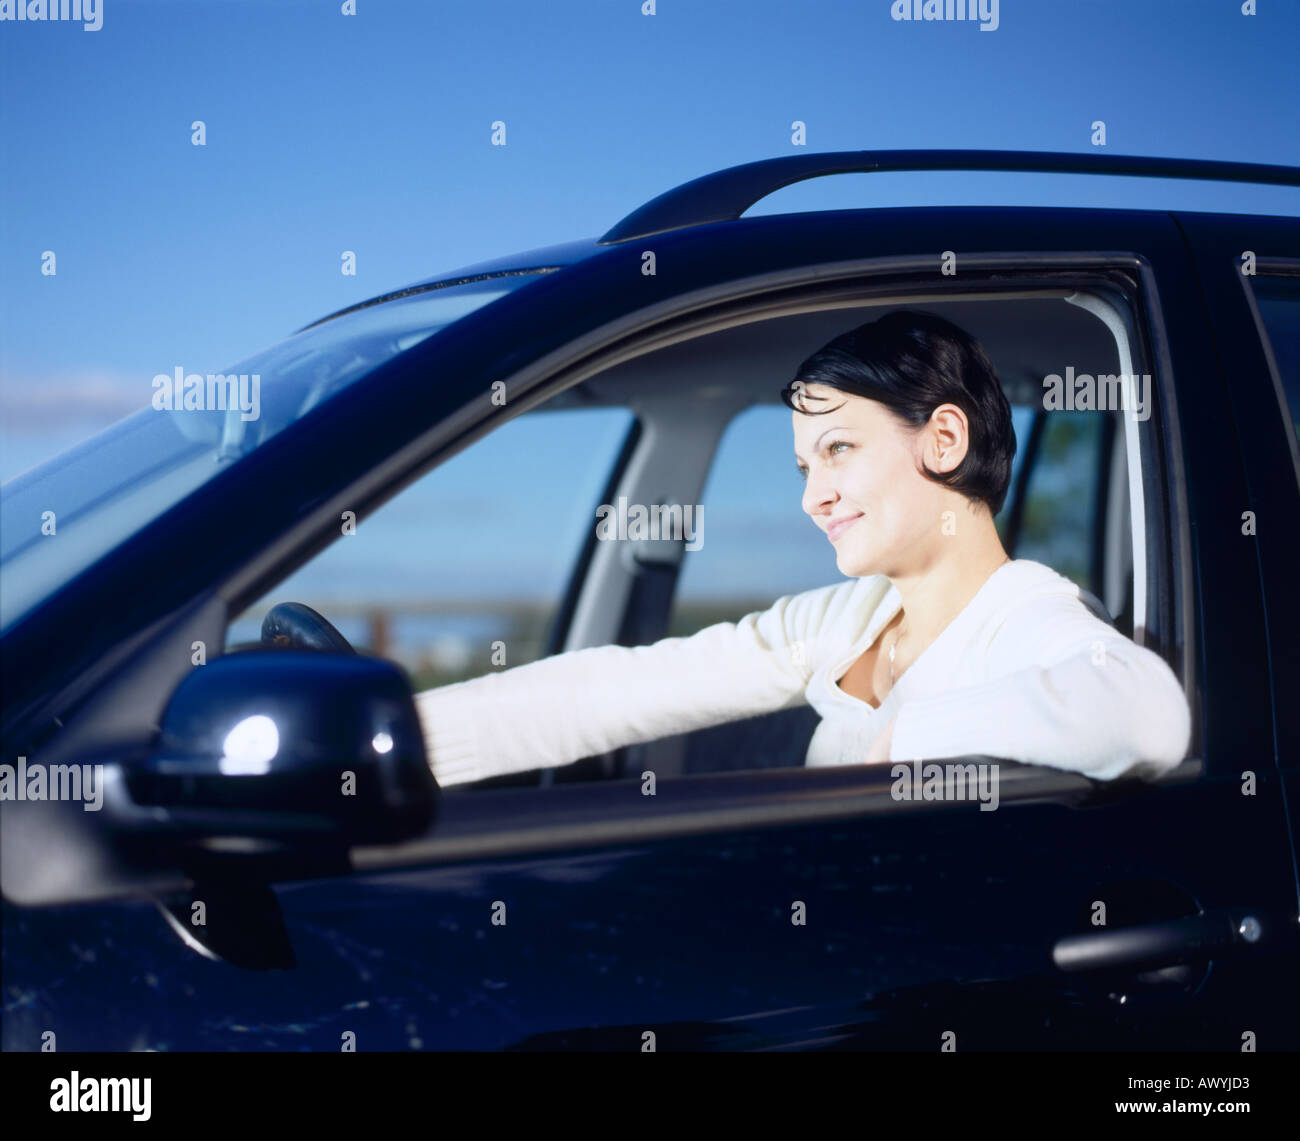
pixel 590 701
pixel 1067 691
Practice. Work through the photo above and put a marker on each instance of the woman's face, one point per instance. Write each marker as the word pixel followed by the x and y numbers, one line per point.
pixel 864 485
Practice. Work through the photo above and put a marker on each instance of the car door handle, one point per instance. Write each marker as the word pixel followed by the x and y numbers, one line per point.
pixel 1196 938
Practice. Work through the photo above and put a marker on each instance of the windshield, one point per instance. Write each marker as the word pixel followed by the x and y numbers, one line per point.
pixel 101 492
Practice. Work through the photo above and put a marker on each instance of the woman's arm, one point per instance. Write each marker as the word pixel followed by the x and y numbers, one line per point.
pixel 1068 691
pixel 586 702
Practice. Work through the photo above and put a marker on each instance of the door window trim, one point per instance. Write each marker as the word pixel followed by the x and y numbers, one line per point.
pixel 491 823
pixel 1272 267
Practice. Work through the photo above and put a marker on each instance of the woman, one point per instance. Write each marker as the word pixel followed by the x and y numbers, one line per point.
pixel 938 645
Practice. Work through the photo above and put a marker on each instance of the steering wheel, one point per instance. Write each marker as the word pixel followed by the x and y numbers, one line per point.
pixel 293 626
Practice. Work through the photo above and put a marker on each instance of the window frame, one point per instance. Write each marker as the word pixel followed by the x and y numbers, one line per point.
pixel 491 823
pixel 1276 548
pixel 1123 280
pixel 1273 267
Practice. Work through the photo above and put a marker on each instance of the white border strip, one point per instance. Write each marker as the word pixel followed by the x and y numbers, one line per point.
pixel 1105 313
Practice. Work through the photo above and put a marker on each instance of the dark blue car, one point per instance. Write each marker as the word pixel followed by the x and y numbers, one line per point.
pixel 205 886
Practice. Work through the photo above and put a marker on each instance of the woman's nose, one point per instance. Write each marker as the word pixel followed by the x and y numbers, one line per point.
pixel 817 494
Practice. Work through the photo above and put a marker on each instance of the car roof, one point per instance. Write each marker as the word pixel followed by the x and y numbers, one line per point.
pixel 725 195
pixel 531 261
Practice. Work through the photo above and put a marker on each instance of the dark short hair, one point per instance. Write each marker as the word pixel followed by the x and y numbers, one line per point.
pixel 911 362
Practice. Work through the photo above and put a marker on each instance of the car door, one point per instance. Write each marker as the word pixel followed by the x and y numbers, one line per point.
pixel 1249 269
pixel 792 908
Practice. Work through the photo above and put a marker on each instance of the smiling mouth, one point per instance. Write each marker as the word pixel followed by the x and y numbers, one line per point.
pixel 836 529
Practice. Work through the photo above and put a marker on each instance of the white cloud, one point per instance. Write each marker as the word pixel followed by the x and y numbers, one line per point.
pixel 87 399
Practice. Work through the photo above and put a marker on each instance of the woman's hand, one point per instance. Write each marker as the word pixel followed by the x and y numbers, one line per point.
pixel 879 751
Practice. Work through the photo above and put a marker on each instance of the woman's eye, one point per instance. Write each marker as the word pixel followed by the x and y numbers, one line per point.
pixel 829 450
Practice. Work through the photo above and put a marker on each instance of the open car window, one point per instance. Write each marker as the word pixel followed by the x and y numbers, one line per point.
pixel 1086 454
pixel 464 572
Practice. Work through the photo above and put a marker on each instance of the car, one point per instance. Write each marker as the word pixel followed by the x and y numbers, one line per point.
pixel 272 865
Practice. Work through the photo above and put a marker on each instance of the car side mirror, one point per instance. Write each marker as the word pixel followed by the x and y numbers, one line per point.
pixel 283 748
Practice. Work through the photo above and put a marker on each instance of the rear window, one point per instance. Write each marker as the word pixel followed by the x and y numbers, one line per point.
pixel 1278 299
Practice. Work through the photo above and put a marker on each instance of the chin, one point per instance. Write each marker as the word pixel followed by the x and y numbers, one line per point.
pixel 855 564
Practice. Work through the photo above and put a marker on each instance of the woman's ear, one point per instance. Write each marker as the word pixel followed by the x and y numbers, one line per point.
pixel 947 438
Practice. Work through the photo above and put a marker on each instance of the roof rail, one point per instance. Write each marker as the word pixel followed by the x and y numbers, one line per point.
pixel 726 194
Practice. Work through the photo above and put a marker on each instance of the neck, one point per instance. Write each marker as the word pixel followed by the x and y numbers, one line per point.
pixel 936 591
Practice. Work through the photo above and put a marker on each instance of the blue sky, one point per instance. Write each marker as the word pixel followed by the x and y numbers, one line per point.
pixel 371 133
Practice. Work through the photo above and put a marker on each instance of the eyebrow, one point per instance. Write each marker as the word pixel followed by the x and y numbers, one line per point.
pixel 818 442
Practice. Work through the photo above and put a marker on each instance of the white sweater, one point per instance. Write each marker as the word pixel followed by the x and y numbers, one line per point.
pixel 1025 672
